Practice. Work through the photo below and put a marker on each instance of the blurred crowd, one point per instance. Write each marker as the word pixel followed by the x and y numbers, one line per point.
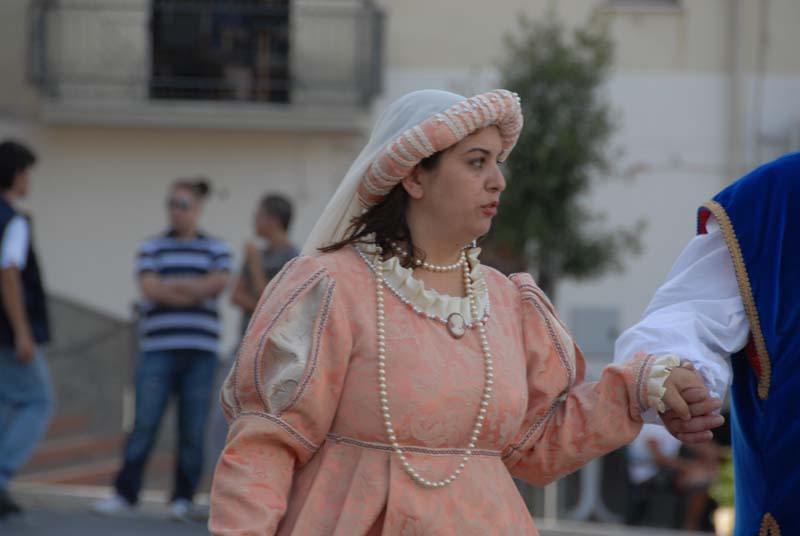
pixel 670 482
pixel 181 273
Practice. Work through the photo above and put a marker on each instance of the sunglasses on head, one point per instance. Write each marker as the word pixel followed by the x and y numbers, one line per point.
pixel 180 203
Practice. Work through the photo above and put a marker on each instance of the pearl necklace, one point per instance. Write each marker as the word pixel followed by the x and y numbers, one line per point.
pixel 462 260
pixel 383 386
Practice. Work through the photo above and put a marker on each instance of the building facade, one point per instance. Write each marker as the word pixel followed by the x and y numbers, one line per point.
pixel 703 90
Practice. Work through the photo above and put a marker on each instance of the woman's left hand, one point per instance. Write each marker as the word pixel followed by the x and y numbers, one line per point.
pixel 679 380
pixel 704 419
pixel 690 416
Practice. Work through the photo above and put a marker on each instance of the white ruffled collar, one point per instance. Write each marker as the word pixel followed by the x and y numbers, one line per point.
pixel 411 291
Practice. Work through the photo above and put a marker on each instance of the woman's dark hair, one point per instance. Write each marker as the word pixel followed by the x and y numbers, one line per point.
pixel 386 220
pixel 14 159
pixel 199 186
pixel 278 206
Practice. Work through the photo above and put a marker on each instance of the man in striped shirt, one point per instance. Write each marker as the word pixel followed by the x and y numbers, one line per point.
pixel 180 279
pixel 180 274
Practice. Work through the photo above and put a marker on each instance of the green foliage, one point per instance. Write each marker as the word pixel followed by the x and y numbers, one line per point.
pixel 722 489
pixel 562 149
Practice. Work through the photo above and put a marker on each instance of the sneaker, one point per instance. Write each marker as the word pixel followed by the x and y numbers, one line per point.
pixel 7 505
pixel 182 510
pixel 113 506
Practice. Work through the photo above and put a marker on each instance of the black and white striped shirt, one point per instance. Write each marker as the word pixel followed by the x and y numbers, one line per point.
pixel 186 328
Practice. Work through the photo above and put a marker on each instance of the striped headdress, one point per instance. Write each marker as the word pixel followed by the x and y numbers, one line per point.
pixel 445 129
pixel 409 130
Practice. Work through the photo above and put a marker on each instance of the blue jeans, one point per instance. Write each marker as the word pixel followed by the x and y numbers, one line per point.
pixel 26 404
pixel 218 424
pixel 189 374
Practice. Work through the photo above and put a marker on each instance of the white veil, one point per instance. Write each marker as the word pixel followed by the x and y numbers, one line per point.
pixel 408 111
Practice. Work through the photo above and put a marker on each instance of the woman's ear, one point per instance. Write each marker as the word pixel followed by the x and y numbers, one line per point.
pixel 413 184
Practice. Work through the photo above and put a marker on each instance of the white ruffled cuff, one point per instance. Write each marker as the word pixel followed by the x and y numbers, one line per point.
pixel 659 372
pixel 715 388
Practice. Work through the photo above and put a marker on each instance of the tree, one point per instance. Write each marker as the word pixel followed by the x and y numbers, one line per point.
pixel 563 149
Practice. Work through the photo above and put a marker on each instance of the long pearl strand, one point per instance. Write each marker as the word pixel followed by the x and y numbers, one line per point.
pixel 383 387
pixel 462 260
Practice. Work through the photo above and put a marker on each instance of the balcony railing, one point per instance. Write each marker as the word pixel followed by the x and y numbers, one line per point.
pixel 273 52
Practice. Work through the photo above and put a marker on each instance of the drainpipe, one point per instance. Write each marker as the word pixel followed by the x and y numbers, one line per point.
pixel 734 127
pixel 762 49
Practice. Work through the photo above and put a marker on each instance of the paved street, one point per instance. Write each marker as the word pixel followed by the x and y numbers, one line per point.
pixel 64 511
pixel 46 523
pixel 80 523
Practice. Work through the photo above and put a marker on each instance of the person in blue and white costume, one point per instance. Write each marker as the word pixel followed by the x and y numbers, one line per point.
pixel 731 305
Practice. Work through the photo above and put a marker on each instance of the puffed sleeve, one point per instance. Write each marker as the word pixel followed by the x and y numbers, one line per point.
pixel 568 421
pixel 697 314
pixel 280 397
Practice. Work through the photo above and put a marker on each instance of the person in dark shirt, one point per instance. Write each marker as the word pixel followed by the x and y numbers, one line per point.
pixel 26 394
pixel 271 223
pixel 272 220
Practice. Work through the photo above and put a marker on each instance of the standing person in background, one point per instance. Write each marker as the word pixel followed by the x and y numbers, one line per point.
pixel 670 482
pixel 699 466
pixel 180 274
pixel 26 399
pixel 652 468
pixel 272 220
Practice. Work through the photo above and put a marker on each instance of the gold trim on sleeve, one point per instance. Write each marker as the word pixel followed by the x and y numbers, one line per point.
pixel 728 233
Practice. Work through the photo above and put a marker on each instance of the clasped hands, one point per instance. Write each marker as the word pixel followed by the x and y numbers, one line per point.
pixel 690 411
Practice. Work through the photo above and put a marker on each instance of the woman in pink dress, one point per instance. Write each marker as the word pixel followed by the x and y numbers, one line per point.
pixel 388 382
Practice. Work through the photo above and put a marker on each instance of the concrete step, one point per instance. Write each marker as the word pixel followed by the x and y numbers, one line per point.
pixel 66 451
pixel 102 472
pixel 65 510
pixel 68 424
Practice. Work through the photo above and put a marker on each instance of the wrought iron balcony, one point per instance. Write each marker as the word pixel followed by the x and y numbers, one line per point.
pixel 182 61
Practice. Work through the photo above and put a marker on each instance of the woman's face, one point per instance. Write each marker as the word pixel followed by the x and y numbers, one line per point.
pixel 184 209
pixel 460 196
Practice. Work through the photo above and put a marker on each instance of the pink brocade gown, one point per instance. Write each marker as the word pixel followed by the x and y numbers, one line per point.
pixel 307 452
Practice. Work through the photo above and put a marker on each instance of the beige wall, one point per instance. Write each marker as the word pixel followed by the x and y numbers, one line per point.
pixel 783 23
pixel 692 38
pixel 453 34
pixel 449 35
